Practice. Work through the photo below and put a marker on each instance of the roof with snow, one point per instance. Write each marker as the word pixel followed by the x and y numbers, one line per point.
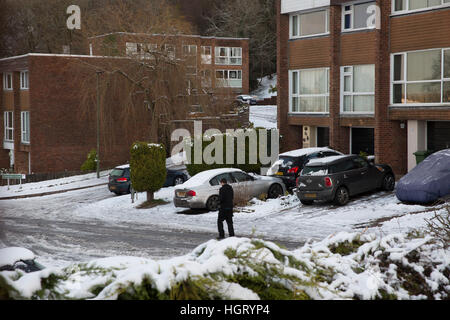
pixel 204 176
pixel 9 256
pixel 326 160
pixel 305 151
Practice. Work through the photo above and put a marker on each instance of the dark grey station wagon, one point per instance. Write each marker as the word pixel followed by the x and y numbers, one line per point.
pixel 338 178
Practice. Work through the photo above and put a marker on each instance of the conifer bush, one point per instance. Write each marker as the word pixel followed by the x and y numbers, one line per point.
pixel 147 167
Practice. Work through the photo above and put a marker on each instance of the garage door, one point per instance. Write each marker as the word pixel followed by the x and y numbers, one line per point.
pixel 362 140
pixel 438 135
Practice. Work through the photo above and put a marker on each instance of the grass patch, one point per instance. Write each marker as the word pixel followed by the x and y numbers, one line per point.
pixel 346 248
pixel 152 204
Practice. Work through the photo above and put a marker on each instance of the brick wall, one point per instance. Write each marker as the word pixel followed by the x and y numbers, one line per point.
pixel 291 135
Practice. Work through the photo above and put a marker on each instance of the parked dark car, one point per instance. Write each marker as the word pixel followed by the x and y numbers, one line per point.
pixel 428 181
pixel 340 177
pixel 246 99
pixel 290 163
pixel 120 182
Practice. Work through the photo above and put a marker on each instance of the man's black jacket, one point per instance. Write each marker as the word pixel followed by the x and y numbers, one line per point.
pixel 226 197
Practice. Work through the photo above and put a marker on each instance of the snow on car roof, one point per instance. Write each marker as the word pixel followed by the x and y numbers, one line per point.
pixel 9 256
pixel 124 166
pixel 326 160
pixel 305 151
pixel 204 176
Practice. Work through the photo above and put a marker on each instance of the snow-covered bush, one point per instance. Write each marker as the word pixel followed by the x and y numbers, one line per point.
pixel 342 266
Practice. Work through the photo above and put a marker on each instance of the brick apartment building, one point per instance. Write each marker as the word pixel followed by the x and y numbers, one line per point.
pixel 222 63
pixel 47 130
pixel 357 81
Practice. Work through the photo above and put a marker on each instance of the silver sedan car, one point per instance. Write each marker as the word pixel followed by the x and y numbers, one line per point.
pixel 202 190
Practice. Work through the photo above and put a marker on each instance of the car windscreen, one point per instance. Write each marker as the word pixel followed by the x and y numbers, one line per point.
pixel 117 172
pixel 315 171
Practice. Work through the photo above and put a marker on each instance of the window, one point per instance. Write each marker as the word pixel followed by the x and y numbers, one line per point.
pixel 25 124
pixel 206 55
pixel 356 16
pixel 7 81
pixel 309 24
pixel 421 77
pixel 141 50
pixel 403 6
pixel 206 78
pixel 309 90
pixel 228 55
pixel 9 126
pixel 241 177
pixel 229 78
pixel 24 80
pixel 190 54
pixel 358 89
pixel 170 51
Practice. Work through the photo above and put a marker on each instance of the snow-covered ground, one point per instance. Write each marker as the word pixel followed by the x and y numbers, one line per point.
pixel 263 116
pixel 266 83
pixel 54 185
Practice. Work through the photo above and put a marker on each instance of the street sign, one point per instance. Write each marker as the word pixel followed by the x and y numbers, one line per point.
pixel 17 176
pixel 13 176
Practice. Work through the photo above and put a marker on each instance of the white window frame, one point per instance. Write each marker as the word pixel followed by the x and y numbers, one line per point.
pixel 298 95
pixel 25 126
pixel 24 80
pixel 405 82
pixel 228 56
pixel 352 93
pixel 352 15
pixel 205 57
pixel 406 10
pixel 226 81
pixel 6 83
pixel 9 127
pixel 298 15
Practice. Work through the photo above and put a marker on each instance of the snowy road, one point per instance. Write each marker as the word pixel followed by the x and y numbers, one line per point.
pixel 92 223
pixel 48 226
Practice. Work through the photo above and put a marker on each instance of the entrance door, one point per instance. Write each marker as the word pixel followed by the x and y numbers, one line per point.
pixel 438 135
pixel 362 140
pixel 323 136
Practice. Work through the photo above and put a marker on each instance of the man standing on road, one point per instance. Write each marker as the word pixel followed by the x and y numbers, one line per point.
pixel 226 195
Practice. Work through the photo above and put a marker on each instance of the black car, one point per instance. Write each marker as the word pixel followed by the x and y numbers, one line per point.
pixel 120 181
pixel 290 163
pixel 340 177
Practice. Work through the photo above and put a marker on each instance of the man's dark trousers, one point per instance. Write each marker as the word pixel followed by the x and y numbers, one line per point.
pixel 227 215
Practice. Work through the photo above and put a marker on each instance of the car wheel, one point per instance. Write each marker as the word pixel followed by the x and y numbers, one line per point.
pixel 341 198
pixel 307 202
pixel 275 191
pixel 178 180
pixel 388 182
pixel 213 203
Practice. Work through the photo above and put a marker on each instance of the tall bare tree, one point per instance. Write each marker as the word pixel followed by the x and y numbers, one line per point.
pixel 254 19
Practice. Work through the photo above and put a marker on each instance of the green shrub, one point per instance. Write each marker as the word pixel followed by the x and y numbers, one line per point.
pixel 193 168
pixel 147 167
pixel 90 163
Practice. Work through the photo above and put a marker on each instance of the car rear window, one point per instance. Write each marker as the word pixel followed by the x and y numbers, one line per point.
pixel 290 161
pixel 315 171
pixel 343 166
pixel 117 172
